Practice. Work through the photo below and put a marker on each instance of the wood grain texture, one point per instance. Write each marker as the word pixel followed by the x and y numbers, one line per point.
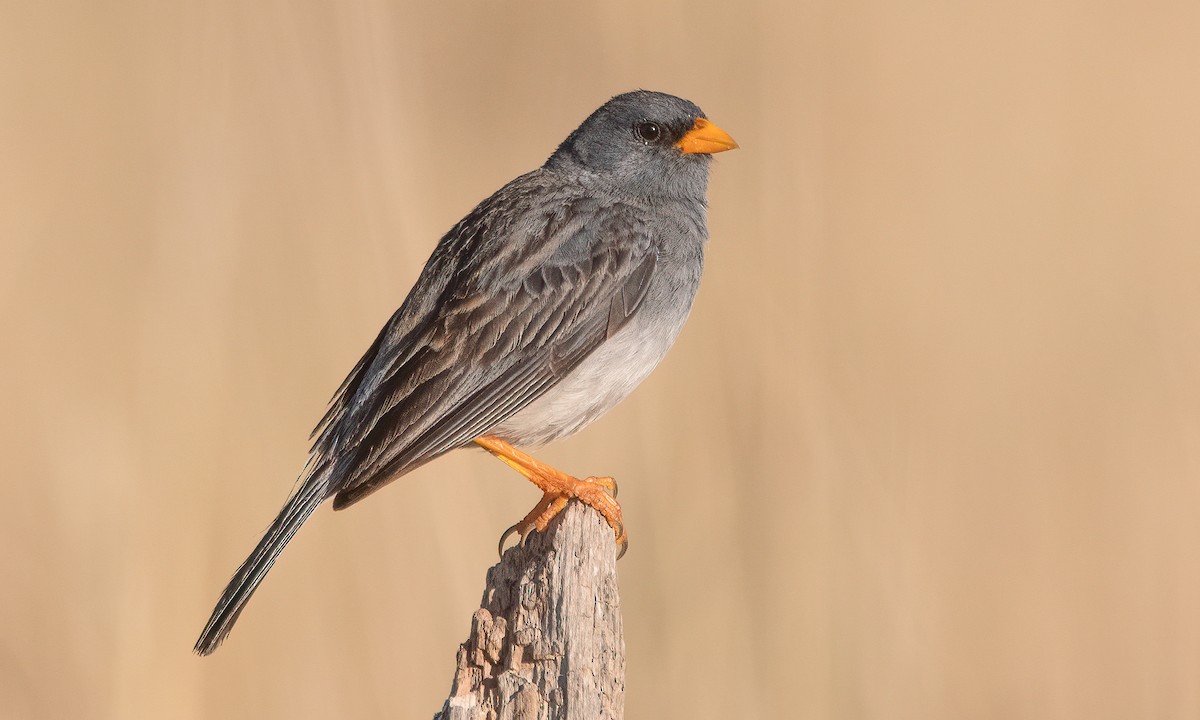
pixel 546 642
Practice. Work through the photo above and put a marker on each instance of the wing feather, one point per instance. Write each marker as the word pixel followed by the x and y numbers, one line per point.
pixel 511 322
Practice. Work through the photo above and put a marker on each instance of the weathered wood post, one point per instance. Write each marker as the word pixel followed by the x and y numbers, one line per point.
pixel 546 642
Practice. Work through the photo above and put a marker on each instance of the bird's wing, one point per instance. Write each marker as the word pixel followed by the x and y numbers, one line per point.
pixel 402 330
pixel 518 314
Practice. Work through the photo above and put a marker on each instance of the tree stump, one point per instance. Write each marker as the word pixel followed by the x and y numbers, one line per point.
pixel 546 642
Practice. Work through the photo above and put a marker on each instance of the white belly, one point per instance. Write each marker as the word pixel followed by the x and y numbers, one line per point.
pixel 603 379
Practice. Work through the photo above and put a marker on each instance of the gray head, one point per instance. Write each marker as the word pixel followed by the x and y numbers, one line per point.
pixel 643 143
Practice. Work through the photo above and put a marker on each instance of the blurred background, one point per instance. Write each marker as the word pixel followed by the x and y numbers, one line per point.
pixel 928 448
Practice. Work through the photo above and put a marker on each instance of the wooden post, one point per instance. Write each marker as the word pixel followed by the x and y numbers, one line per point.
pixel 546 642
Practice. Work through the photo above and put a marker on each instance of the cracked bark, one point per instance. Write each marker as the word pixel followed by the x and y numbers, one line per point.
pixel 546 642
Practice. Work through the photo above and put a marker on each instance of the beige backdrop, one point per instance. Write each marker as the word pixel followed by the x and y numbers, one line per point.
pixel 929 447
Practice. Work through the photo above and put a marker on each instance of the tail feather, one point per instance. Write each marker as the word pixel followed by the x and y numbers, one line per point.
pixel 237 593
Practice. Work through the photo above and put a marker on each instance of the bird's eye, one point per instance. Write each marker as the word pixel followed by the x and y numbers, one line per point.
pixel 648 131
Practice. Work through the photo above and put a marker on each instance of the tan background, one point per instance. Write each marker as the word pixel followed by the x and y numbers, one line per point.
pixel 929 447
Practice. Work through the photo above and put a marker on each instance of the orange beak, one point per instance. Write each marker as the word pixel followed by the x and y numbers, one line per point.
pixel 704 137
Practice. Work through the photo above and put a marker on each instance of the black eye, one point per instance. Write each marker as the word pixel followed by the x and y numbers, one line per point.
pixel 648 131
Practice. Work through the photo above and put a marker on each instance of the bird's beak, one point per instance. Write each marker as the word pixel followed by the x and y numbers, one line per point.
pixel 704 137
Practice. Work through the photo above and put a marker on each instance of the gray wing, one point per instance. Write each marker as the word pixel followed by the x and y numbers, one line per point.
pixel 526 303
pixel 508 304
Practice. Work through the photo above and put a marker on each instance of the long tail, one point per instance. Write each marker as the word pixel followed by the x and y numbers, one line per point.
pixel 237 593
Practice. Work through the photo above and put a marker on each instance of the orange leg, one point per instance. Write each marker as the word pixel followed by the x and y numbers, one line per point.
pixel 557 489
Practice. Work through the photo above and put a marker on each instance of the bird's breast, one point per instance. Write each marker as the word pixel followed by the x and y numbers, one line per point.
pixel 613 370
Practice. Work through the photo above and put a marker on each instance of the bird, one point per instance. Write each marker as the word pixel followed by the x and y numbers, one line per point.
pixel 535 314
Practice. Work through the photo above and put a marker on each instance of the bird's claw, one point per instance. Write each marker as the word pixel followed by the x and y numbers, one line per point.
pixel 504 539
pixel 551 505
pixel 525 532
pixel 558 488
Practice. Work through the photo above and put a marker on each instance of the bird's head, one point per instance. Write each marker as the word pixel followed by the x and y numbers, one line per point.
pixel 644 143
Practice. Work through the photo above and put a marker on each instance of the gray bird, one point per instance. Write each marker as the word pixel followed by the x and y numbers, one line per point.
pixel 536 314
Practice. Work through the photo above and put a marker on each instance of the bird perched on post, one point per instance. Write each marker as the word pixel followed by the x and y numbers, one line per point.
pixel 536 314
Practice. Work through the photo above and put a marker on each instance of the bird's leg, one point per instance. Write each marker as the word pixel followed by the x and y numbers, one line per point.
pixel 557 489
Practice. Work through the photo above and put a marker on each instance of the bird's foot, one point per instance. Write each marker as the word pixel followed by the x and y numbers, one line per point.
pixel 596 493
pixel 558 488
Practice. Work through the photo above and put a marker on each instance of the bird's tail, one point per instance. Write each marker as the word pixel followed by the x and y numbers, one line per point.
pixel 237 593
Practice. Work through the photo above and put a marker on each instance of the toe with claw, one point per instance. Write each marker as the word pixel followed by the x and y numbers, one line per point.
pixel 558 488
